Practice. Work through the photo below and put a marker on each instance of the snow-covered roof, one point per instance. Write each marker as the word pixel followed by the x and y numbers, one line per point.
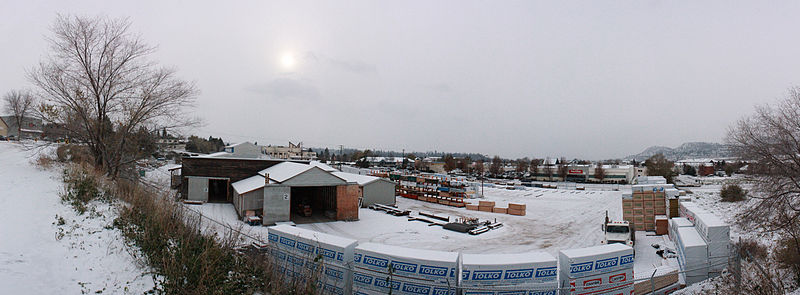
pixel 248 184
pixel 285 170
pixel 360 179
pixel 233 156
pixel 322 166
pixel 31 130
pixel 171 167
pixel 238 144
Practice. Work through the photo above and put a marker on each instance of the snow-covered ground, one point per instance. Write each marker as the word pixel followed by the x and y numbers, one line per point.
pixel 555 219
pixel 38 255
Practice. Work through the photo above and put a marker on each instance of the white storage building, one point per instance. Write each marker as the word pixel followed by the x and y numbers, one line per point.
pixel 375 190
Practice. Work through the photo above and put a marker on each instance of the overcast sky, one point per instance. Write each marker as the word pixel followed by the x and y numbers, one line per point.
pixel 594 79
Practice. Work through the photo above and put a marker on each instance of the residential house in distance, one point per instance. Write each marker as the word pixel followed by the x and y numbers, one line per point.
pixel 31 128
pixel 245 150
pixel 3 128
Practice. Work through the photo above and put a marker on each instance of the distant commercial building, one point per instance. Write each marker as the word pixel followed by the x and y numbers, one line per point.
pixel 586 173
pixel 389 161
pixel 291 152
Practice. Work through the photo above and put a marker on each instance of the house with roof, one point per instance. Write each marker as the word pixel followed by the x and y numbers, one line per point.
pixel 30 127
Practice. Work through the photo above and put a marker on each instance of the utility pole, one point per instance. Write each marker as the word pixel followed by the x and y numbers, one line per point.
pixel 341 155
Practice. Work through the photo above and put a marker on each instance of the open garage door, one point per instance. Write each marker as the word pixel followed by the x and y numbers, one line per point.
pixel 313 204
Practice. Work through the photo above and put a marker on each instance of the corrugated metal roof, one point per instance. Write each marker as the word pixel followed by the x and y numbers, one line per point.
pixel 322 166
pixel 285 170
pixel 360 179
pixel 248 184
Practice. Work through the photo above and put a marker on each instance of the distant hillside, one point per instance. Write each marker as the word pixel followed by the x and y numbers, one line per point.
pixel 689 150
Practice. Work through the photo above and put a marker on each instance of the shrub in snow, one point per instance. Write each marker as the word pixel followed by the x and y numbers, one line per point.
pixel 80 188
pixel 732 193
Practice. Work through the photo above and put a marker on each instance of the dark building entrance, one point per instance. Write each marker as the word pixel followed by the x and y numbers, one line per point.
pixel 313 204
pixel 217 190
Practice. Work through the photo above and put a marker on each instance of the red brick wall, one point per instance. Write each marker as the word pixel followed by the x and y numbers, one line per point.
pixel 347 202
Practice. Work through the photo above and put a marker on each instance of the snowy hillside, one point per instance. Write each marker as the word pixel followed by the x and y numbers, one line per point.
pixel 687 150
pixel 46 247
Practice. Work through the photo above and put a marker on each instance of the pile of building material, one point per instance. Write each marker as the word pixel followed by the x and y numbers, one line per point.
pixel 528 273
pixel 343 266
pixel 384 269
pixel 675 223
pixel 662 225
pixel 692 254
pixel 303 254
pixel 517 209
pixel 440 189
pixel 489 206
pixel 643 203
pixel 690 211
pixel 606 269
pixel 486 206
pixel 713 232
pixel 664 281
pixel 716 234
pixel 389 209
pixel 651 180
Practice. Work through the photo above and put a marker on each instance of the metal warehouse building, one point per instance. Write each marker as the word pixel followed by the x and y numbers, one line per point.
pixel 278 190
pixel 374 190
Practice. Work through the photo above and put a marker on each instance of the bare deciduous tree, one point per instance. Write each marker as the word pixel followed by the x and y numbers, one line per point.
pixel 549 170
pixel 659 165
pixel 99 85
pixel 479 167
pixel 534 166
pixel 496 166
pixel 522 165
pixel 599 172
pixel 770 141
pixel 20 105
pixel 563 169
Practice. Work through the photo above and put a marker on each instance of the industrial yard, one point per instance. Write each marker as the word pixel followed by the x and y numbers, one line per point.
pixel 555 219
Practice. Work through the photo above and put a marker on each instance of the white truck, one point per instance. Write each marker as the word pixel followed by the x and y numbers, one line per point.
pixel 618 232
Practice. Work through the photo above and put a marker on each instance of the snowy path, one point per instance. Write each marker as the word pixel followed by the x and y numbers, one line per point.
pixel 87 258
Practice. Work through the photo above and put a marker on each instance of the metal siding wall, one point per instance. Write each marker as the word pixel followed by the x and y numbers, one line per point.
pixel 253 200
pixel 198 189
pixel 379 192
pixel 276 208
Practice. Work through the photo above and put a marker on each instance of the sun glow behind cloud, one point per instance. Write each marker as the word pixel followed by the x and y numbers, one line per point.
pixel 288 61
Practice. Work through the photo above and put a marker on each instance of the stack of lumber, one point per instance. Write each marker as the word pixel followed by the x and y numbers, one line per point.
pixel 486 206
pixel 516 209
